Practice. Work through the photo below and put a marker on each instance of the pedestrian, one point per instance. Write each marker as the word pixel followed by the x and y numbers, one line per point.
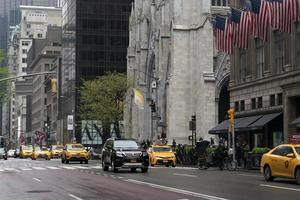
pixel 245 150
pixel 239 154
pixel 220 155
pixel 174 145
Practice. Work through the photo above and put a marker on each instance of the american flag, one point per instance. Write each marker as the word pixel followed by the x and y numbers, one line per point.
pixel 281 15
pixel 241 24
pixel 223 34
pixel 262 17
pixel 294 9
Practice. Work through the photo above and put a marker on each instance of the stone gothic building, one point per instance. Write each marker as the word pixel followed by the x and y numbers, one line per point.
pixel 171 61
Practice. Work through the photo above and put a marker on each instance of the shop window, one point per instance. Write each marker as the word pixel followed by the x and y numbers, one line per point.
pixel 279 51
pixel 259 102
pixel 242 105
pixel 260 58
pixel 253 103
pixel 237 106
pixel 279 99
pixel 272 100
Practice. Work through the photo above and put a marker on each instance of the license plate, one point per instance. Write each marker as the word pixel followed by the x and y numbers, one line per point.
pixel 132 161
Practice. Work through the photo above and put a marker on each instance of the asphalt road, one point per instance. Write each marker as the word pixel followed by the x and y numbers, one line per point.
pixel 47 180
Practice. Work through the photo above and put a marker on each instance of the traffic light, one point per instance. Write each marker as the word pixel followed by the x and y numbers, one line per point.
pixel 54 85
pixel 153 106
pixel 231 112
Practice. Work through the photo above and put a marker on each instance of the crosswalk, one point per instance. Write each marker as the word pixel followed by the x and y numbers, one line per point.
pixel 43 168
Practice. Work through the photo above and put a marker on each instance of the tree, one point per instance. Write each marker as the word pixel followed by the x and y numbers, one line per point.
pixel 103 99
pixel 4 73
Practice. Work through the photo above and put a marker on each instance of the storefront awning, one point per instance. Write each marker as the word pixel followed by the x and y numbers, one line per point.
pixel 295 123
pixel 245 123
pixel 265 119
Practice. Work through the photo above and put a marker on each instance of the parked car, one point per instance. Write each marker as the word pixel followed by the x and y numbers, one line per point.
pixel 119 153
pixel 74 152
pixel 11 153
pixel 3 154
pixel 282 161
pixel 162 155
pixel 17 153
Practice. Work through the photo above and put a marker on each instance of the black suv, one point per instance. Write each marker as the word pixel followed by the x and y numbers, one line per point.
pixel 120 153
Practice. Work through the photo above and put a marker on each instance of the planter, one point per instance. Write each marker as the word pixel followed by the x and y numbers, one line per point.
pixel 253 161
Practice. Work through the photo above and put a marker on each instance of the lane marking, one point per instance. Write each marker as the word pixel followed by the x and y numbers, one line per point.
pixel 80 167
pixel 11 169
pixel 75 197
pixel 26 169
pixel 66 167
pixel 37 179
pixel 180 191
pixel 1 170
pixel 187 175
pixel 96 167
pixel 251 175
pixel 39 168
pixel 50 167
pixel 279 187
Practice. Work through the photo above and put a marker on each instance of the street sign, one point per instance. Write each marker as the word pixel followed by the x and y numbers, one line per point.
pixel 70 123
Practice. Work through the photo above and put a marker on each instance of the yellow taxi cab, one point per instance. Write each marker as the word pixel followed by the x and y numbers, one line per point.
pixel 282 161
pixel 74 152
pixel 161 155
pixel 26 151
pixel 56 151
pixel 40 153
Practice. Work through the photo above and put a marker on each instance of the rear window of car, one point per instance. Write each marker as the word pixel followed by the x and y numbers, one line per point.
pixel 27 147
pixel 57 147
pixel 125 144
pixel 37 148
pixel 75 146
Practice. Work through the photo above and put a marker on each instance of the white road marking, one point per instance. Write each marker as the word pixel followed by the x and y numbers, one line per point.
pixel 67 167
pixel 182 199
pixel 279 187
pixel 80 167
pixel 75 197
pixel 50 167
pixel 1 170
pixel 26 169
pixel 11 169
pixel 180 191
pixel 36 179
pixel 251 175
pixel 187 175
pixel 39 168
pixel 96 167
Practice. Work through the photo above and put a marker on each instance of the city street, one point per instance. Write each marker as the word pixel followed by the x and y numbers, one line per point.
pixel 27 179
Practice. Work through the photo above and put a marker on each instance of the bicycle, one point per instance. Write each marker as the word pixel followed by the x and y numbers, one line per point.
pixel 230 164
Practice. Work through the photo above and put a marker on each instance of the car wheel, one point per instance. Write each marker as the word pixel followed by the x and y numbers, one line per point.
pixel 62 160
pixel 113 166
pixel 67 161
pixel 104 167
pixel 144 170
pixel 133 169
pixel 152 165
pixel 298 175
pixel 81 162
pixel 268 174
pixel 86 161
pixel 173 165
pixel 167 165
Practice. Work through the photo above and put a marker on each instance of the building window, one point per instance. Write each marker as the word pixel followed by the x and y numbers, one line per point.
pixel 260 58
pixel 219 2
pixel 39 35
pixel 279 99
pixel 259 102
pixel 236 106
pixel 243 65
pixel 242 105
pixel 23 69
pixel 24 51
pixel 25 43
pixel 24 60
pixel 272 100
pixel 28 25
pixel 253 103
pixel 279 51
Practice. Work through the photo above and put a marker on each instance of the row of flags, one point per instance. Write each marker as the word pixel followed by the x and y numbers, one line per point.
pixel 256 19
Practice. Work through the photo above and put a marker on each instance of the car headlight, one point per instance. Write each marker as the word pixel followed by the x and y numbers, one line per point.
pixel 119 154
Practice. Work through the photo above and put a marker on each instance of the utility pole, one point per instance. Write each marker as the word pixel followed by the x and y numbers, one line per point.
pixel 231 113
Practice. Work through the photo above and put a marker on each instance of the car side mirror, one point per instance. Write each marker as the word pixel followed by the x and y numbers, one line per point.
pixel 290 155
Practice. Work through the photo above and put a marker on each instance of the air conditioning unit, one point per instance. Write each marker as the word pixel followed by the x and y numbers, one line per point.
pixel 153 85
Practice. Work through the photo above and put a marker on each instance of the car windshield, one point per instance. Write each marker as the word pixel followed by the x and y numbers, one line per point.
pixel 57 147
pixel 297 150
pixel 1 150
pixel 126 144
pixel 74 146
pixel 27 147
pixel 37 148
pixel 162 149
pixel 44 148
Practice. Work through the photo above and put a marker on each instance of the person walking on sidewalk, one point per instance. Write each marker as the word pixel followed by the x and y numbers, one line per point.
pixel 245 150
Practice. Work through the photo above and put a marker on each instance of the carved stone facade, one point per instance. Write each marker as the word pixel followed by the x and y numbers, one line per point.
pixel 170 60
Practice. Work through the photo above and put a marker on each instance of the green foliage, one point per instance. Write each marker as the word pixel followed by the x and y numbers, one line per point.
pixel 103 99
pixel 4 73
pixel 260 150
